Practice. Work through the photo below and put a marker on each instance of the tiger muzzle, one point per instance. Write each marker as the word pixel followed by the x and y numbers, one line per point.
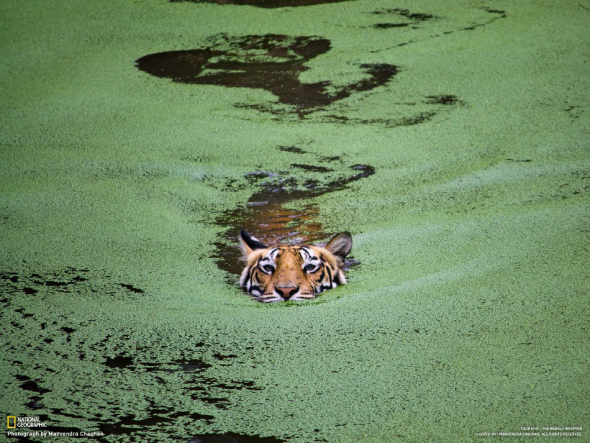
pixel 287 291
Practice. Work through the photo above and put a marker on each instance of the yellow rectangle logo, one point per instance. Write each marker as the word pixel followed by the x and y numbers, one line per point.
pixel 13 422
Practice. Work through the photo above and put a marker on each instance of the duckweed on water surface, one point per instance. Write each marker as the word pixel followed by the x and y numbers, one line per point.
pixel 451 140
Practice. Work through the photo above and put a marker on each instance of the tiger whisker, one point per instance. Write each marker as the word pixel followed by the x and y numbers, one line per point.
pixel 267 298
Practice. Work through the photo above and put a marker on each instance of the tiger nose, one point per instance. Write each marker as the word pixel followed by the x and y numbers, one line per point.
pixel 287 291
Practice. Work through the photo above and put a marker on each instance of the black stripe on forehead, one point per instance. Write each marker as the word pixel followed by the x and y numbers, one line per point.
pixel 308 254
pixel 305 253
pixel 269 257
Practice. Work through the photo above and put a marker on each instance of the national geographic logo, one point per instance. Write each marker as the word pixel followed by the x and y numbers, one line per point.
pixel 13 422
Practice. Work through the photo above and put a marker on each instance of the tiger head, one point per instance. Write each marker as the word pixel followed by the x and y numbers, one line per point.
pixel 282 273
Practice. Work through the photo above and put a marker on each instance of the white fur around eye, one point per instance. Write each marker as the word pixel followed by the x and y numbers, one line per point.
pixel 309 260
pixel 265 263
pixel 267 269
pixel 312 268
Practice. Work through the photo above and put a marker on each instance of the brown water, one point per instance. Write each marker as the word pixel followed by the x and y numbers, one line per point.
pixel 264 3
pixel 272 62
pixel 279 212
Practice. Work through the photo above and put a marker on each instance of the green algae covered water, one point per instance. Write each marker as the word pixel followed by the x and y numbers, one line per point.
pixel 138 138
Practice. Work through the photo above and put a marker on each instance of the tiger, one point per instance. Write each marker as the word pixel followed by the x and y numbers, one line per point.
pixel 288 273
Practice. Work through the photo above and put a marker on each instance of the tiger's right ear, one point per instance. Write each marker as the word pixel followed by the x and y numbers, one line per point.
pixel 340 245
pixel 249 243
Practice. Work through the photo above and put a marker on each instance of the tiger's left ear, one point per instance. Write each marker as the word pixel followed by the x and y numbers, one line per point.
pixel 249 243
pixel 340 245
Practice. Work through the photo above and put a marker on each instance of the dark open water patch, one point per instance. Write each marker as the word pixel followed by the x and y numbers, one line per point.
pixel 119 362
pixel 264 3
pixel 313 168
pixel 293 149
pixel 186 365
pixel 157 417
pixel 390 25
pixel 77 282
pixel 412 120
pixel 271 62
pixel 269 215
pixel 443 99
pixel 414 16
pixel 132 288
pixel 500 12
pixel 33 401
